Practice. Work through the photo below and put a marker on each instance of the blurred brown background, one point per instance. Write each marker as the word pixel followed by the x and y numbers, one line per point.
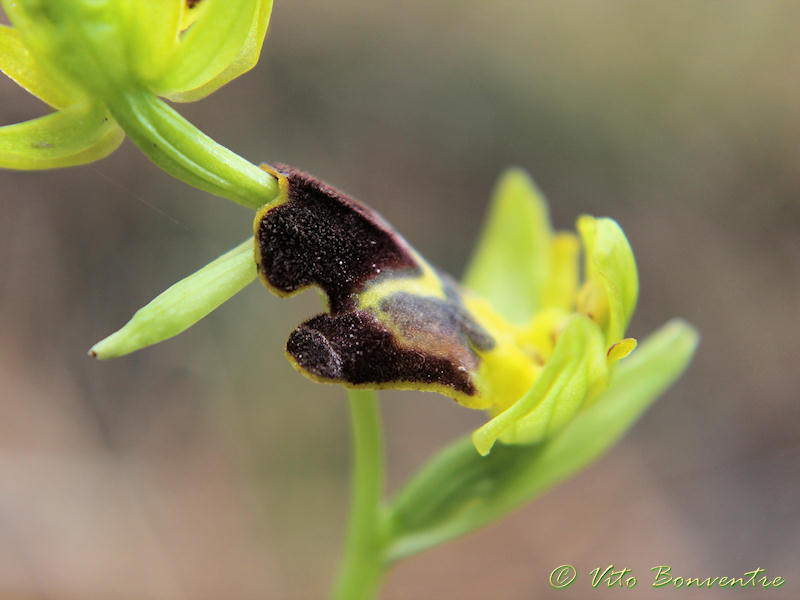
pixel 206 468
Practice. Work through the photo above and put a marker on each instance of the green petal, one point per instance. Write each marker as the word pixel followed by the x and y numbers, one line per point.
pixel 610 266
pixel 76 135
pixel 576 368
pixel 246 60
pixel 459 491
pixel 183 304
pixel 511 265
pixel 18 63
pixel 209 46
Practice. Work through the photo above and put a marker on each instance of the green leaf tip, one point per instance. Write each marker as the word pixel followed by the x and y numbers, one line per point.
pixel 183 304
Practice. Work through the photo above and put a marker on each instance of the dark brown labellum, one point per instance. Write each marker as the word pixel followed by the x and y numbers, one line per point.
pixel 315 235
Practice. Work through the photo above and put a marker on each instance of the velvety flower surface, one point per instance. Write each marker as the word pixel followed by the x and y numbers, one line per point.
pixel 530 337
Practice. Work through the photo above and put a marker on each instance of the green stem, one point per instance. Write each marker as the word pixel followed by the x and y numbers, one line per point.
pixel 363 566
pixel 186 153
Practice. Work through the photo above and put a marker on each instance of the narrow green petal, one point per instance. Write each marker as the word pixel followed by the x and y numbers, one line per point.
pixel 18 63
pixel 459 491
pixel 511 264
pixel 183 304
pixel 246 60
pixel 578 362
pixel 76 135
pixel 610 266
pixel 209 46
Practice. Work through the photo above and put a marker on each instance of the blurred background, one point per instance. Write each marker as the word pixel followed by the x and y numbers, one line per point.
pixel 205 468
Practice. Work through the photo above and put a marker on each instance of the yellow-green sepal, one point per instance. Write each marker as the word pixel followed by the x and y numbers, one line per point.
pixel 244 61
pixel 562 286
pixel 83 41
pixel 182 305
pixel 575 371
pixel 17 62
pixel 511 264
pixel 76 135
pixel 209 46
pixel 152 28
pixel 611 286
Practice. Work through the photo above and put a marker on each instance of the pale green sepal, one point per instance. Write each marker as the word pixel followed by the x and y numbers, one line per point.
pixel 610 263
pixel 17 62
pixel 153 28
pixel 459 491
pixel 183 304
pixel 511 264
pixel 209 45
pixel 577 365
pixel 246 60
pixel 74 136
pixel 39 37
pixel 83 41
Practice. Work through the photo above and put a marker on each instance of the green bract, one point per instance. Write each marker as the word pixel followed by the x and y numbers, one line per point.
pixel 183 304
pixel 102 64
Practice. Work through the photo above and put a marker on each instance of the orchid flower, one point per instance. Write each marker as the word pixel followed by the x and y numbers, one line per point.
pixel 525 338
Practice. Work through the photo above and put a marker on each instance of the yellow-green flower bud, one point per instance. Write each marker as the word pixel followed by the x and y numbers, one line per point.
pixel 103 65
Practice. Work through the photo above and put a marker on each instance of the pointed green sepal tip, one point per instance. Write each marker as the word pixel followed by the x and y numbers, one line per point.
pixel 183 304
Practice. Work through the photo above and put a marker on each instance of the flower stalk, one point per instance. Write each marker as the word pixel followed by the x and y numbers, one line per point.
pixel 362 565
pixel 186 153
